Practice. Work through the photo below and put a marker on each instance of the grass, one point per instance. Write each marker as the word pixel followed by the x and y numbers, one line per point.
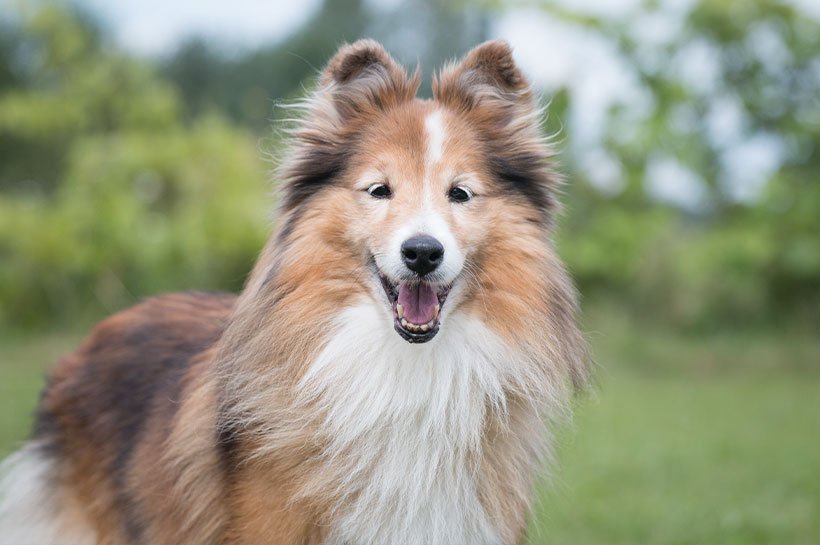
pixel 682 461
pixel 685 440
pixel 23 366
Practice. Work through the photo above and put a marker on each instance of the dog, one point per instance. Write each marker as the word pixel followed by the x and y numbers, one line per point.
pixel 388 375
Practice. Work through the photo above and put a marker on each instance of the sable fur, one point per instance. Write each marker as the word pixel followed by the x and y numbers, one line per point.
pixel 294 414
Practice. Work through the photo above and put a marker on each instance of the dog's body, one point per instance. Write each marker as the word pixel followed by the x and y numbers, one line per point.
pixel 385 375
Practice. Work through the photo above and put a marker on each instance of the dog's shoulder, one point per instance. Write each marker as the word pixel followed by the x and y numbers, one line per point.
pixel 105 389
pixel 158 333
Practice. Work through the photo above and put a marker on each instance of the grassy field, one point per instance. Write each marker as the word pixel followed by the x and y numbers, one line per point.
pixel 677 461
pixel 684 440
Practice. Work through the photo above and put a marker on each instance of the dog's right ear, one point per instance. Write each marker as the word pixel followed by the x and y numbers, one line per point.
pixel 362 78
pixel 359 81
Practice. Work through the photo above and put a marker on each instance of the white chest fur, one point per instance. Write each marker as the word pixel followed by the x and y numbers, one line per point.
pixel 405 424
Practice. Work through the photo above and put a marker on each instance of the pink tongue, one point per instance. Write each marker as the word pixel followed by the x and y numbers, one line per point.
pixel 419 302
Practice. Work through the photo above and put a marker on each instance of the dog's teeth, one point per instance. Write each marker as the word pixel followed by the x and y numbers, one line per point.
pixel 399 311
pixel 425 327
pixel 404 322
pixel 436 311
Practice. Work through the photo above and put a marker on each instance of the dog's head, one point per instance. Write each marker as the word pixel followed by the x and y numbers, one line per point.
pixel 426 206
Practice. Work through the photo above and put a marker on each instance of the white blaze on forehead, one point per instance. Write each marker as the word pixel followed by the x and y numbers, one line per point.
pixel 425 220
pixel 434 125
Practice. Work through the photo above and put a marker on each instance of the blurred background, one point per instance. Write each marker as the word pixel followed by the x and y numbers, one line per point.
pixel 137 141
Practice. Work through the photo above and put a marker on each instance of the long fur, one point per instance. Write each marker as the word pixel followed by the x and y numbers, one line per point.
pixel 30 510
pixel 295 414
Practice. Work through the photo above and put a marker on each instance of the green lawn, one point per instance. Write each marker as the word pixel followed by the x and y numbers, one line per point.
pixel 684 440
pixel 23 364
pixel 682 461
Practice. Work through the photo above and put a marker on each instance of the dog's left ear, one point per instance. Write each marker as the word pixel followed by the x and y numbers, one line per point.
pixel 486 81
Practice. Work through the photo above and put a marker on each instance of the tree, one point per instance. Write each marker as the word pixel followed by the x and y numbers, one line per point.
pixel 105 194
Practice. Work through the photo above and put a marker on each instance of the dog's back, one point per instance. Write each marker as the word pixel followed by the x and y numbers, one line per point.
pixel 113 398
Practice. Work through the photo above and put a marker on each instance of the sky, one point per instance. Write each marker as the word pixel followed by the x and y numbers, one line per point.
pixel 155 27
pixel 552 54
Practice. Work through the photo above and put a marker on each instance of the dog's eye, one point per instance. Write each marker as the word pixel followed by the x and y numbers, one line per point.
pixel 379 191
pixel 460 194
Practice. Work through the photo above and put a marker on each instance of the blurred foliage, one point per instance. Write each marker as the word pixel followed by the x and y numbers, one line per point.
pixel 105 194
pixel 730 259
pixel 119 178
pixel 247 86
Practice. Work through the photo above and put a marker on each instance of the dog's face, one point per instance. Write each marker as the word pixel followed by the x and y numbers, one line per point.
pixel 423 205
pixel 445 203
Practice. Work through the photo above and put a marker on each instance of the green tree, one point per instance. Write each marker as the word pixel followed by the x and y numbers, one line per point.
pixel 737 77
pixel 105 194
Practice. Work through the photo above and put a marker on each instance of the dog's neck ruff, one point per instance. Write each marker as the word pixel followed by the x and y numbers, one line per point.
pixel 404 427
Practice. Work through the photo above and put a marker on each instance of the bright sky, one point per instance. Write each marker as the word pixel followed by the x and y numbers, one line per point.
pixel 155 27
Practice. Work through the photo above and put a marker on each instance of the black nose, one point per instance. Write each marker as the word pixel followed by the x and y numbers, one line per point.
pixel 422 254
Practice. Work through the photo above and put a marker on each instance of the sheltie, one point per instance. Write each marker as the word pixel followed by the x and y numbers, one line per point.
pixel 390 371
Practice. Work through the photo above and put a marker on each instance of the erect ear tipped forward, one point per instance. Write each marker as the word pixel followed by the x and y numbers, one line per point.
pixel 351 60
pixel 362 76
pixel 487 73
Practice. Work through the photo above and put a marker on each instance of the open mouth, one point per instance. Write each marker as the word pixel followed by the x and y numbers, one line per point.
pixel 416 307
